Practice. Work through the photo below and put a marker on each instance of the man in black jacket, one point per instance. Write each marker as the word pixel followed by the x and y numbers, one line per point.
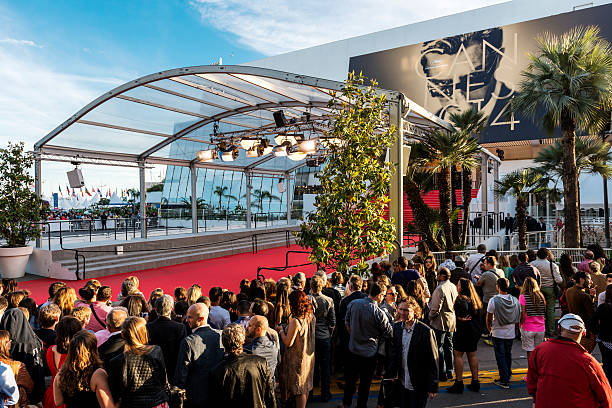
pixel 354 285
pixel 240 379
pixel 198 354
pixel 115 343
pixel 166 333
pixel 413 362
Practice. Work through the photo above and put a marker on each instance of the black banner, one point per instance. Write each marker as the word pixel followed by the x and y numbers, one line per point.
pixel 480 69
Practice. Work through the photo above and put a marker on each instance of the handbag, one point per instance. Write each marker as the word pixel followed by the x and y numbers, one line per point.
pixel 93 311
pixel 556 288
pixel 176 396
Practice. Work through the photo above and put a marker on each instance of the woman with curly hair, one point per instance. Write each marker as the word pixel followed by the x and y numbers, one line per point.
pixel 23 378
pixel 82 382
pixel 297 364
pixel 282 311
pixel 65 299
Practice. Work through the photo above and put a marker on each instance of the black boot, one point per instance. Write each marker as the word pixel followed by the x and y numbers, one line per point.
pixel 474 386
pixel 456 388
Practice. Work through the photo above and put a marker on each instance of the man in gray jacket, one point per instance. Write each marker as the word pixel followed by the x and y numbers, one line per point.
pixel 198 354
pixel 442 320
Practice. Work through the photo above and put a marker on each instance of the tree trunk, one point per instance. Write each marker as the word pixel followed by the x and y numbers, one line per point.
pixel 419 211
pixel 570 182
pixel 465 201
pixel 445 204
pixel 455 226
pixel 579 212
pixel 521 215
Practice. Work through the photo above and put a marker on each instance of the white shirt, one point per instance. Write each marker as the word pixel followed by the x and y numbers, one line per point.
pixel 406 338
pixel 601 298
pixel 448 264
pixel 501 332
pixel 471 265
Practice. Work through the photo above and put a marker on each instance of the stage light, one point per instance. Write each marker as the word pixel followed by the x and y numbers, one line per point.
pixel 280 139
pixel 248 143
pixel 332 141
pixel 230 155
pixel 206 155
pixel 308 146
pixel 297 156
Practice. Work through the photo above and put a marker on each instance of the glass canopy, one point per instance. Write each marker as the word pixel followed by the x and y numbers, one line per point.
pixel 170 116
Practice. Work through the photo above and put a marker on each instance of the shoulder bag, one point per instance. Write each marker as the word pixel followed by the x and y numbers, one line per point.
pixel 556 288
pixel 93 312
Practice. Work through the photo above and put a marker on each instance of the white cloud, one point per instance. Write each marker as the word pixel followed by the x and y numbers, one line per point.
pixel 13 41
pixel 277 26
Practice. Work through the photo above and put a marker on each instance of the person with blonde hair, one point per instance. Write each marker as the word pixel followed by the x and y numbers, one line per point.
pixel 193 294
pixel 65 299
pixel 533 312
pixel 81 381
pixel 138 376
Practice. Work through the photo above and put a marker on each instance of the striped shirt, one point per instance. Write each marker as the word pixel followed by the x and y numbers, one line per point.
pixel 531 309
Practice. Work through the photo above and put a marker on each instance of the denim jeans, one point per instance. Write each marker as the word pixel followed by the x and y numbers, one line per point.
pixel 445 351
pixel 322 364
pixel 362 368
pixel 551 299
pixel 503 356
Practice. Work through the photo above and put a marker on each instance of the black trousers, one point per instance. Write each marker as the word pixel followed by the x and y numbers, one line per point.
pixel 413 399
pixel 362 368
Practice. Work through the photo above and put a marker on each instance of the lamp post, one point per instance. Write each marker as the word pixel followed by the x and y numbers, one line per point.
pixel 605 198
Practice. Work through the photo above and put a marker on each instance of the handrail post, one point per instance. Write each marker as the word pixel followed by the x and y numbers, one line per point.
pixel 125 223
pixel 90 229
pixel 49 234
pixel 115 228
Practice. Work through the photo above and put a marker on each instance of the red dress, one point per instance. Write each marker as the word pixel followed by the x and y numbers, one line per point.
pixel 48 400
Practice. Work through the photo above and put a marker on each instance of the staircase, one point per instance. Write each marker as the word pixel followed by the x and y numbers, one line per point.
pixel 155 253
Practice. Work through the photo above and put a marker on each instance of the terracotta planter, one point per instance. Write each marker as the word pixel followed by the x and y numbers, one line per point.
pixel 13 261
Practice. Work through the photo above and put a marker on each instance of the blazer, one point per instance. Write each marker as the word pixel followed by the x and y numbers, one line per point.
pixel 198 354
pixel 422 357
pixel 442 307
pixel 167 334
pixel 110 349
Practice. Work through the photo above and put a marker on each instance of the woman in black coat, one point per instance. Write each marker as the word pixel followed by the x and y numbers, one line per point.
pixel 138 376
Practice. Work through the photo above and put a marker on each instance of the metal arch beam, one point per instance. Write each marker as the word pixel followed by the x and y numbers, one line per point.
pixel 178 72
pixel 264 159
pixel 219 116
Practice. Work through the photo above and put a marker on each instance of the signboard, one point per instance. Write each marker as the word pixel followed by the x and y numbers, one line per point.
pixel 481 69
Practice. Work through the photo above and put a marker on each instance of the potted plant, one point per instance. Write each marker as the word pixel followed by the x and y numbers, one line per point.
pixel 20 210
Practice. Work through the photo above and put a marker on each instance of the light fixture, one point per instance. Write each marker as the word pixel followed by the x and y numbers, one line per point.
pixel 206 155
pixel 261 149
pixel 248 143
pixel 297 156
pixel 280 150
pixel 308 146
pixel 280 139
pixel 230 155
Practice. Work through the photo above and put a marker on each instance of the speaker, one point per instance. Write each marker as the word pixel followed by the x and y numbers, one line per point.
pixel 281 186
pixel 75 178
pixel 279 118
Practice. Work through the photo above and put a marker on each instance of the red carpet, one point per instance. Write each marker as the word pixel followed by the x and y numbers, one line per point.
pixel 225 271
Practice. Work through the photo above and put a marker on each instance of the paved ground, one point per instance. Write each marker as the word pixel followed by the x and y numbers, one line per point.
pixel 489 396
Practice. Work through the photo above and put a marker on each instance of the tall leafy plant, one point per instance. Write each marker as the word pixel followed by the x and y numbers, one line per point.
pixel 568 86
pixel 348 224
pixel 20 207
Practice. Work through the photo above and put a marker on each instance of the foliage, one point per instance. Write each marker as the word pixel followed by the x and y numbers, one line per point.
pixel 348 224
pixel 20 207
pixel 471 123
pixel 259 196
pixel 104 201
pixel 445 151
pixel 520 184
pixel 568 85
pixel 221 192
pixel 592 156
pixel 156 187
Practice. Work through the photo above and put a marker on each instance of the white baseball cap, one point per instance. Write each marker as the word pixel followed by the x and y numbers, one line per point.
pixel 572 322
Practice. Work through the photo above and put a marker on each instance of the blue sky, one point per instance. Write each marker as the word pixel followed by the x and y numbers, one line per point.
pixel 56 56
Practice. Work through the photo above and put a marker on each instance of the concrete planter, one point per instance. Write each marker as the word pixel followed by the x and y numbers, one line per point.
pixel 13 261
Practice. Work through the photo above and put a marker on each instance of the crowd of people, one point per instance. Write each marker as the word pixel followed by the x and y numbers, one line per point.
pixel 408 323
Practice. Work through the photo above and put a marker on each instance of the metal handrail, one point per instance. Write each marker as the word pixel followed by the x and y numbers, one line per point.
pixel 261 277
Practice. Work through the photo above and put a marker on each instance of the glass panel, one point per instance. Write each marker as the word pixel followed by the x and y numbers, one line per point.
pixel 173 101
pixel 235 83
pixel 222 91
pixel 129 114
pixel 215 100
pixel 299 92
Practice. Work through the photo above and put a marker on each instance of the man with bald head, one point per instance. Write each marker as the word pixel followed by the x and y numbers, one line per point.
pixel 198 354
pixel 262 345
pixel 115 343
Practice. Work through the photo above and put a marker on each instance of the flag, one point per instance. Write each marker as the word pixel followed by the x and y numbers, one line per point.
pixel 98 189
pixel 109 192
pixel 60 190
pixel 82 195
pixel 68 190
pixel 87 191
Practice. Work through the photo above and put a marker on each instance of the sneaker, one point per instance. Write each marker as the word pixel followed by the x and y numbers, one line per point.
pixel 488 342
pixel 501 384
pixel 474 386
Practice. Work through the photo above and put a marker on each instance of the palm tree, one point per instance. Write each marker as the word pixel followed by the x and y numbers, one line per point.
pixel 414 182
pixel 568 85
pixel 592 156
pixel 447 150
pixel 520 184
pixel 260 195
pixel 470 122
pixel 221 192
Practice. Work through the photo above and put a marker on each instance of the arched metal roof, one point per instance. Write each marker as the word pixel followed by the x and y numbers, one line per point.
pixel 167 117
